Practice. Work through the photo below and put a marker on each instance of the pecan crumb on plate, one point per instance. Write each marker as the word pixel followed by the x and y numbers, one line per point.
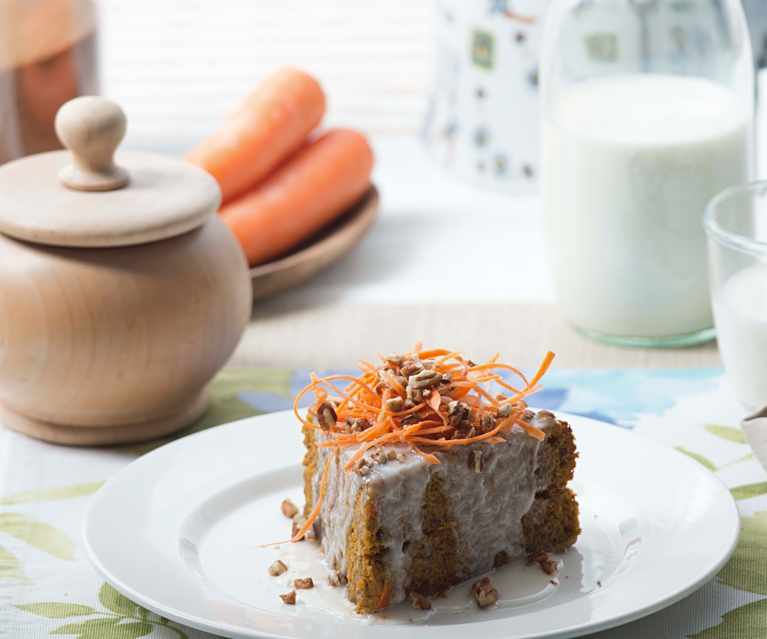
pixel 484 593
pixel 289 598
pixel 546 563
pixel 305 583
pixel 288 508
pixel 419 602
pixel 278 568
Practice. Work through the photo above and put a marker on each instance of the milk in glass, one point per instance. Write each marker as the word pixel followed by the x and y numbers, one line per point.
pixel 741 323
pixel 630 163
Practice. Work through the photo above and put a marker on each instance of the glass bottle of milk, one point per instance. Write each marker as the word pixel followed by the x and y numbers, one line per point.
pixel 648 111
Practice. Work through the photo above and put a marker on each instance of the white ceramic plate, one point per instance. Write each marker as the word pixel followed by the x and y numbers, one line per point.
pixel 178 531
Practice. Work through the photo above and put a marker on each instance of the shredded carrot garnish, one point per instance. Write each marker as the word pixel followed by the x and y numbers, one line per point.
pixel 474 386
pixel 542 370
pixel 428 457
pixel 434 352
pixel 494 365
pixel 451 355
pixel 301 532
pixel 435 401
pixel 410 411
pixel 393 383
pixel 427 399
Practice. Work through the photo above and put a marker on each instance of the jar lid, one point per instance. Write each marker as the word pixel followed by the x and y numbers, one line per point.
pixel 88 197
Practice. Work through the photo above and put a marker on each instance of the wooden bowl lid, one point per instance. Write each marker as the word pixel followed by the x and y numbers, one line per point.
pixel 87 197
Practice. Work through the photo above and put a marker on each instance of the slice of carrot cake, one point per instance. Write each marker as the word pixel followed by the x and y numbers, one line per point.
pixel 418 475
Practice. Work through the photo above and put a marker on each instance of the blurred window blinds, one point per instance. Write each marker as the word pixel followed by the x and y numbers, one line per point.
pixel 178 66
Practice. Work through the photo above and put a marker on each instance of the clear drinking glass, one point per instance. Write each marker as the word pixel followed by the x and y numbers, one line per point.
pixel 736 224
pixel 647 114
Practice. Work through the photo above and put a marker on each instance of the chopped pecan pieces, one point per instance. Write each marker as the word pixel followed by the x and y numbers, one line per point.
pixel 326 415
pixel 419 602
pixel 414 394
pixel 425 379
pixel 379 457
pixel 337 579
pixel 288 508
pixel 484 593
pixel 458 413
pixel 289 598
pixel 546 563
pixel 487 423
pixel 305 583
pixel 278 568
pixel 395 361
pixel 395 404
pixel 410 367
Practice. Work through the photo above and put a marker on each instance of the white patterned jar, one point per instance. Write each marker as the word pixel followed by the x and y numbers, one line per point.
pixel 483 115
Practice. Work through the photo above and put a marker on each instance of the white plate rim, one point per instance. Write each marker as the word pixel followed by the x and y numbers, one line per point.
pixel 238 632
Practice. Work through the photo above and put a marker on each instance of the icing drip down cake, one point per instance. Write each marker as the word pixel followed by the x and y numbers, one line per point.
pixel 418 475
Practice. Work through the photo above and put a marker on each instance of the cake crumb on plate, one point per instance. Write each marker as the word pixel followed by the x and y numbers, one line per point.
pixel 419 602
pixel 288 508
pixel 546 563
pixel 484 593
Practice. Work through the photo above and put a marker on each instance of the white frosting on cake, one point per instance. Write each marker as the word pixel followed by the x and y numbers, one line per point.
pixel 487 506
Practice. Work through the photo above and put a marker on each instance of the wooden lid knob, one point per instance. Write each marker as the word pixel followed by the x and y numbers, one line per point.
pixel 92 128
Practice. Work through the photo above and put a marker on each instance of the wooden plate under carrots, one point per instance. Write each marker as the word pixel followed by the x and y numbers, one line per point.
pixel 320 251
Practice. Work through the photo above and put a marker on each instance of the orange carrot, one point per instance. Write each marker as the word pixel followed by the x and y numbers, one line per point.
pixel 272 123
pixel 433 426
pixel 307 192
pixel 301 532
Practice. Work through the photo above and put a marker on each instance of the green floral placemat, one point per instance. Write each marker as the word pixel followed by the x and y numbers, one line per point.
pixel 47 587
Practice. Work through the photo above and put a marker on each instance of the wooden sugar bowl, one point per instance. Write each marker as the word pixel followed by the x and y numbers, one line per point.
pixel 121 292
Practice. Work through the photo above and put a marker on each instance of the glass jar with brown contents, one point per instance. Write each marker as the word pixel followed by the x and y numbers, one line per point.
pixel 48 55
